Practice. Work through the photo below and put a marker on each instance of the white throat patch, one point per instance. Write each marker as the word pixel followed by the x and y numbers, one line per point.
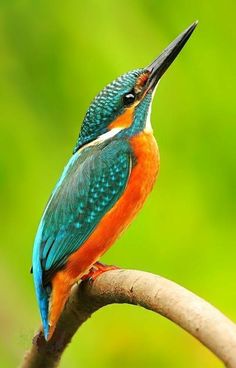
pixel 148 125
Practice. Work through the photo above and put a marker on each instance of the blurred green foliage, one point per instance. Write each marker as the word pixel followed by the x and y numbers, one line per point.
pixel 55 56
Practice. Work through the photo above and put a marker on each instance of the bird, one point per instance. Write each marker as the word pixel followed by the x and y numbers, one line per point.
pixel 110 174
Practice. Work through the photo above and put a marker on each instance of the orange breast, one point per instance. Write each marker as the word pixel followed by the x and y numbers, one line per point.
pixel 140 184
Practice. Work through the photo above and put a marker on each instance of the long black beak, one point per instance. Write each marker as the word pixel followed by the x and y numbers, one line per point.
pixel 158 67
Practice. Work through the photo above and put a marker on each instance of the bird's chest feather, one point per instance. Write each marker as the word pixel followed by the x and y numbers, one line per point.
pixel 145 171
pixel 141 181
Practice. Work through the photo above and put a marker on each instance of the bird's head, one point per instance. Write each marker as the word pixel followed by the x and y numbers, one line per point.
pixel 124 104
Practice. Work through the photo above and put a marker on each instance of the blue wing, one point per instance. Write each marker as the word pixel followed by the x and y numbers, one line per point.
pixel 90 185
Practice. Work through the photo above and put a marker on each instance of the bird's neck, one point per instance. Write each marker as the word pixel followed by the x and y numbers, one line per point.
pixel 132 122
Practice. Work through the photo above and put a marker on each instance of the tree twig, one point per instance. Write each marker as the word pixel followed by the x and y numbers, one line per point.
pixel 152 292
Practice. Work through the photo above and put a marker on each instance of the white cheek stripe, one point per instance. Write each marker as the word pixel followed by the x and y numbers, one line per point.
pixel 103 137
pixel 109 134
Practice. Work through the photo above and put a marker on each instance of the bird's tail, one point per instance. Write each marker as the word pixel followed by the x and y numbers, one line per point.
pixel 43 301
pixel 42 295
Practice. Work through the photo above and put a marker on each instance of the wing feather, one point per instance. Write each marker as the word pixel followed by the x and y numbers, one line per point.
pixel 90 185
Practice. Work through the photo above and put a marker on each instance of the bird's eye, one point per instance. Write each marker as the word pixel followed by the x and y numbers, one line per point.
pixel 129 98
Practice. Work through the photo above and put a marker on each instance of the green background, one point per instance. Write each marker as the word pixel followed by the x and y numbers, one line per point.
pixel 54 57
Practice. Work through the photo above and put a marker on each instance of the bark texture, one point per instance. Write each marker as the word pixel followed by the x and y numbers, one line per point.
pixel 152 292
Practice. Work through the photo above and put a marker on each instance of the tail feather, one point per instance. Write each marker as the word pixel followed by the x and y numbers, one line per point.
pixel 43 301
pixel 51 299
pixel 43 304
pixel 42 293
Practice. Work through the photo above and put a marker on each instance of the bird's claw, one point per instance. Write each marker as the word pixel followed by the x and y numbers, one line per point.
pixel 97 269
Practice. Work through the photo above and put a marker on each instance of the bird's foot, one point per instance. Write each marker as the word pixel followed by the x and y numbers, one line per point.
pixel 97 269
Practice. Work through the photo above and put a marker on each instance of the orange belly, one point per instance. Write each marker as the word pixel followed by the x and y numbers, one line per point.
pixel 140 184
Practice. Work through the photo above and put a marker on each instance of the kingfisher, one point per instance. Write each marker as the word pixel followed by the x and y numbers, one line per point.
pixel 112 170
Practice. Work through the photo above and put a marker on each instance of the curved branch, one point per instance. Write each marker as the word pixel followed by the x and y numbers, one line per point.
pixel 152 292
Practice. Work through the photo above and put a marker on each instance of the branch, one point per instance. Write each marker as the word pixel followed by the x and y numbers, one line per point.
pixel 152 292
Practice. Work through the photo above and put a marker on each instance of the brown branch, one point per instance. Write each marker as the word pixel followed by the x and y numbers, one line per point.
pixel 152 292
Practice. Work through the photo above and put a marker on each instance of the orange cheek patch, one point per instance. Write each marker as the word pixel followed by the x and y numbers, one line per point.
pixel 123 121
pixel 142 79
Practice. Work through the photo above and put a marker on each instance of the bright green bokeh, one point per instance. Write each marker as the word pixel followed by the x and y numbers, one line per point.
pixel 55 56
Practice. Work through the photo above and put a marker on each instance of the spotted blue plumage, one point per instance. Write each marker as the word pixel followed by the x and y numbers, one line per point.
pixel 91 184
pixel 105 107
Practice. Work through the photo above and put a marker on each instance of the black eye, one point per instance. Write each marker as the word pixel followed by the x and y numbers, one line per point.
pixel 129 98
